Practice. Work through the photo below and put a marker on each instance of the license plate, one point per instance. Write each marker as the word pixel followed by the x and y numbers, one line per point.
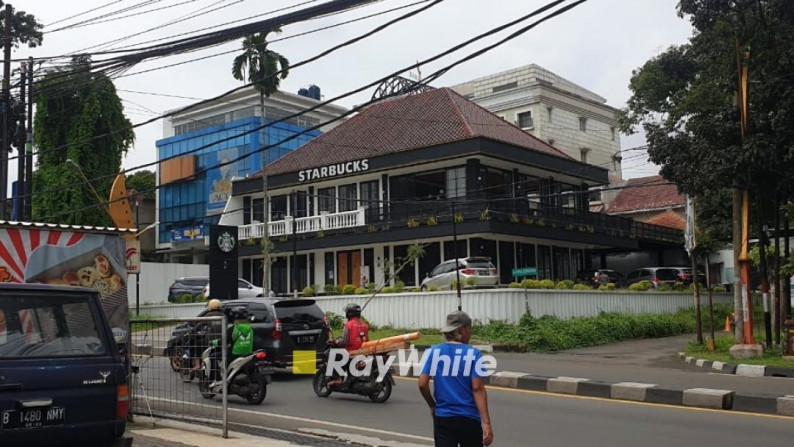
pixel 34 418
pixel 306 339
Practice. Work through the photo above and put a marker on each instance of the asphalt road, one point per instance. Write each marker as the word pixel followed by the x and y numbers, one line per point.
pixel 519 418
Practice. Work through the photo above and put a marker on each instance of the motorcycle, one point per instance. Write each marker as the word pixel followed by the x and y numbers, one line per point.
pixel 247 377
pixel 378 392
pixel 190 343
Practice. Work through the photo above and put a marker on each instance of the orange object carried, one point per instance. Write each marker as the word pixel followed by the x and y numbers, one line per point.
pixel 388 344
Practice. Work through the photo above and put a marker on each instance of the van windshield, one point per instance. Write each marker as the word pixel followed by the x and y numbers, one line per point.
pixel 307 313
pixel 51 326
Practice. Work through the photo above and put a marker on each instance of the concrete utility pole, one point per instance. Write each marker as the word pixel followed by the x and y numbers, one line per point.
pixel 6 144
pixel 19 204
pixel 28 202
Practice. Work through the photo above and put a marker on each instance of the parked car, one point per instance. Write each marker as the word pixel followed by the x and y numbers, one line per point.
pixel 596 277
pixel 63 380
pixel 193 285
pixel 480 268
pixel 656 275
pixel 685 276
pixel 280 327
pixel 244 290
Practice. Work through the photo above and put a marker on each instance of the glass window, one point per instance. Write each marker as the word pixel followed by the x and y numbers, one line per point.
pixel 456 182
pixel 525 120
pixel 369 199
pixel 258 207
pixel 582 124
pixel 327 199
pixel 278 208
pixel 347 197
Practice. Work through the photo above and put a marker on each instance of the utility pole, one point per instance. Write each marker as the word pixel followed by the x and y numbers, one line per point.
pixel 690 245
pixel 28 214
pixel 744 259
pixel 6 145
pixel 19 204
pixel 266 217
pixel 294 205
pixel 764 280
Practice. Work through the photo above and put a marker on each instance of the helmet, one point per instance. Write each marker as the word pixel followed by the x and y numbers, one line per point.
pixel 352 310
pixel 214 304
pixel 238 313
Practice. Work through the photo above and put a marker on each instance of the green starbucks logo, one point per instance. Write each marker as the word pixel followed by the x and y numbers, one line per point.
pixel 226 242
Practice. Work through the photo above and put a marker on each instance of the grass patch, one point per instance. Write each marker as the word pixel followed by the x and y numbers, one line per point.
pixel 723 344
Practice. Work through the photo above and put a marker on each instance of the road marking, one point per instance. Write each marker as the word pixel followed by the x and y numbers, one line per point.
pixel 308 420
pixel 601 399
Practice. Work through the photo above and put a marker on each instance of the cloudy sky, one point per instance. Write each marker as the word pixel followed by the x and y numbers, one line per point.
pixel 596 45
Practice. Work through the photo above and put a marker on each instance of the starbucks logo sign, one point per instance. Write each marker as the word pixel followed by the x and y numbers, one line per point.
pixel 226 242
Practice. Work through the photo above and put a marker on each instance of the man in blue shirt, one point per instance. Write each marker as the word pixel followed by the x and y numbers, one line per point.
pixel 458 403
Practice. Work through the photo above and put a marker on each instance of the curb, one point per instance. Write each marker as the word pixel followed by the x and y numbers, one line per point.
pixel 634 392
pixel 741 369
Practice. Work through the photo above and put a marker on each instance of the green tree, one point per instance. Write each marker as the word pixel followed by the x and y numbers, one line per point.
pixel 79 117
pixel 265 69
pixel 25 29
pixel 143 182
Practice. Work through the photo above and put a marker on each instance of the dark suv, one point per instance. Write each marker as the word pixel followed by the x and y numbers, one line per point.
pixel 280 327
pixel 62 378
pixel 193 285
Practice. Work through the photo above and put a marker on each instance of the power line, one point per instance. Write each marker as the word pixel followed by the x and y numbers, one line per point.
pixel 433 76
pixel 83 13
pixel 111 14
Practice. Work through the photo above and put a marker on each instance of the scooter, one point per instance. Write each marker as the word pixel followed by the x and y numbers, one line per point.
pixel 247 376
pixel 378 392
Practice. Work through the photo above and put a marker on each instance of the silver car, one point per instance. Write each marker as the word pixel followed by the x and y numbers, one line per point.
pixel 481 269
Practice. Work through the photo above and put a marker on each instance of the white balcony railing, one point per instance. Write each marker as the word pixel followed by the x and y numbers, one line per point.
pixel 336 221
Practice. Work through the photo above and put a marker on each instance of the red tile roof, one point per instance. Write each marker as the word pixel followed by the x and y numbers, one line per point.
pixel 409 122
pixel 669 219
pixel 646 193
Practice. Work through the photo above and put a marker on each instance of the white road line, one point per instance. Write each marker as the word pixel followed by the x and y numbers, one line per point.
pixel 308 420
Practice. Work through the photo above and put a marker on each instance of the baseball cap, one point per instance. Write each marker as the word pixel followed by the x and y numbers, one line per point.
pixel 455 320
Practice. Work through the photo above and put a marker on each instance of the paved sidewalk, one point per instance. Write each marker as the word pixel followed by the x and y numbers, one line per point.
pixel 179 434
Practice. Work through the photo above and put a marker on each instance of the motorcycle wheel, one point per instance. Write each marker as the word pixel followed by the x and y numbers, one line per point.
pixel 384 394
pixel 320 384
pixel 257 397
pixel 204 384
pixel 175 356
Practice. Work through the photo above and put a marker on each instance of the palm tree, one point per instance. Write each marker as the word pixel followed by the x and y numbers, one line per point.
pixel 265 69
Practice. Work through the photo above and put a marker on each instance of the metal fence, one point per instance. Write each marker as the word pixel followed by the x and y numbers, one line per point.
pixel 165 383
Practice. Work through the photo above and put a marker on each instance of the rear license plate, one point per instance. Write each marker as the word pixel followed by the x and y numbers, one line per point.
pixel 34 418
pixel 306 339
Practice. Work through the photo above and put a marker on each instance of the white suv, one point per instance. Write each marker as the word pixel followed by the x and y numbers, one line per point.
pixel 244 290
pixel 480 268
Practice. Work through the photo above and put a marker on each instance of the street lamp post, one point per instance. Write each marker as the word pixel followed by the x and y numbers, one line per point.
pixel 455 252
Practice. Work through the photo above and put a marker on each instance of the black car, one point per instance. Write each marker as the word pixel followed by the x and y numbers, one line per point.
pixel 280 327
pixel 192 285
pixel 63 380
pixel 596 277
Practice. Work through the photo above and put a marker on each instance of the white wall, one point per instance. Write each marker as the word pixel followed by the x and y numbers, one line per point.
pixel 157 277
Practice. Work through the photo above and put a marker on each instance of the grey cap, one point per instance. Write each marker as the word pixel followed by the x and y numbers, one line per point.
pixel 455 320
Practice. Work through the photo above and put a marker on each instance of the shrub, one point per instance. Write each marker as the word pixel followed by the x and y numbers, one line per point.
pixel 453 285
pixel 335 321
pixel 471 281
pixel 361 291
pixel 664 287
pixel 515 285
pixel 432 289
pixel 692 287
pixel 308 291
pixel 399 286
pixel 565 283
pixel 371 286
pixel 561 285
pixel 718 289
pixel 608 287
pixel 679 286
pixel 581 287
pixel 547 284
pixel 349 289
pixel 200 298
pixel 183 298
pixel 387 290
pixel 340 289
pixel 641 286
pixel 329 288
pixel 530 284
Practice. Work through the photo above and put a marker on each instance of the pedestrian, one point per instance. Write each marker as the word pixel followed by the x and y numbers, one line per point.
pixel 458 402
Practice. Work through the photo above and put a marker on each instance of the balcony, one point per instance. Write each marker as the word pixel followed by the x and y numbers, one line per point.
pixel 311 224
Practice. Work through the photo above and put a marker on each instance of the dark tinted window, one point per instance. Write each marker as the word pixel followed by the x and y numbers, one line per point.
pixel 298 311
pixel 194 281
pixel 258 311
pixel 666 275
pixel 49 326
pixel 479 264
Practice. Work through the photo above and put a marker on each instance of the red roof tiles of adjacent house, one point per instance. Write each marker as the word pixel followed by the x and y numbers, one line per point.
pixel 409 122
pixel 646 193
pixel 669 219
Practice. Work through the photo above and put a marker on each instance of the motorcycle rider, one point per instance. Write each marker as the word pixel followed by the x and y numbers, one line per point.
pixel 241 339
pixel 354 334
pixel 212 329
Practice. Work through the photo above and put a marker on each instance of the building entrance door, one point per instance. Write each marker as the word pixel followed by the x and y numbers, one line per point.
pixel 348 267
